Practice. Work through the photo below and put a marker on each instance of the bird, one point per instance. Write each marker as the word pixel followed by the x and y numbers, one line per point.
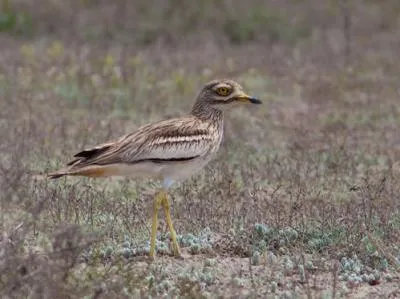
pixel 169 150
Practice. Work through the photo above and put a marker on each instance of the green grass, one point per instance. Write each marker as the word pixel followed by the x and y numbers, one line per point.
pixel 301 202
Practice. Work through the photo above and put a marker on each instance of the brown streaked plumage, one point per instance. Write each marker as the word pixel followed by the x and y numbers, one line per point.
pixel 168 150
pixel 174 140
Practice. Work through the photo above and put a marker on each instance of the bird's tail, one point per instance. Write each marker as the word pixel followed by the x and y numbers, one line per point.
pixel 53 175
pixel 57 175
pixel 88 171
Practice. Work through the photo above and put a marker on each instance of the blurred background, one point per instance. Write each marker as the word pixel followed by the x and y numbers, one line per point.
pixel 302 200
pixel 327 28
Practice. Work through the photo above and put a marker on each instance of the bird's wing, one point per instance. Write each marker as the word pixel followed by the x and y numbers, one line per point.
pixel 174 139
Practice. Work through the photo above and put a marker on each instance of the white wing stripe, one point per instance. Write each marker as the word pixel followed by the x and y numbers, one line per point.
pixel 185 139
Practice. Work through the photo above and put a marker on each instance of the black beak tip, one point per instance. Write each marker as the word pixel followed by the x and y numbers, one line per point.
pixel 255 101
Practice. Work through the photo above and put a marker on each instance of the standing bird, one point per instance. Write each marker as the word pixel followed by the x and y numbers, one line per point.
pixel 168 150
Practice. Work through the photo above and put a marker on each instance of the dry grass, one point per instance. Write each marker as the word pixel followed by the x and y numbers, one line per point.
pixel 302 200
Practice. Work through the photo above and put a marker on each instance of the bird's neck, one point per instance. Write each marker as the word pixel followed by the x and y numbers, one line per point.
pixel 207 113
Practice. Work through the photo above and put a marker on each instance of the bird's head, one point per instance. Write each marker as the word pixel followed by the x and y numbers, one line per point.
pixel 224 94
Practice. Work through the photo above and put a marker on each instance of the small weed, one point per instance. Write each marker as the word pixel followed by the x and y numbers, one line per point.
pixel 19 23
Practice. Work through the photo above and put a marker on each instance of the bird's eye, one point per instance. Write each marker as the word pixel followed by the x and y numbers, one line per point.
pixel 222 91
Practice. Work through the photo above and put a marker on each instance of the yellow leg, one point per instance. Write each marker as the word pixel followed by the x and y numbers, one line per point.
pixel 175 247
pixel 156 206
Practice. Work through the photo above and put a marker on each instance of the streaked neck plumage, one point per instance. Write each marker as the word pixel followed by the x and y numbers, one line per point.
pixel 207 113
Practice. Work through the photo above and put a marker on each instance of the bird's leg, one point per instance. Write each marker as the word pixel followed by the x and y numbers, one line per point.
pixel 175 246
pixel 156 206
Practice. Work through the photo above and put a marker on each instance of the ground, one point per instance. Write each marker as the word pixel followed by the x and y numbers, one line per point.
pixel 302 199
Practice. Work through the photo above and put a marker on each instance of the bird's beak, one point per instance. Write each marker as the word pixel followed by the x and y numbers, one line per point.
pixel 247 99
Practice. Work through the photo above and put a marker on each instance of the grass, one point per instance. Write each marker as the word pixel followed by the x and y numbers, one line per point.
pixel 301 201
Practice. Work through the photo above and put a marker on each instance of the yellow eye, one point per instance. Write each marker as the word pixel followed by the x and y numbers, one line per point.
pixel 222 91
